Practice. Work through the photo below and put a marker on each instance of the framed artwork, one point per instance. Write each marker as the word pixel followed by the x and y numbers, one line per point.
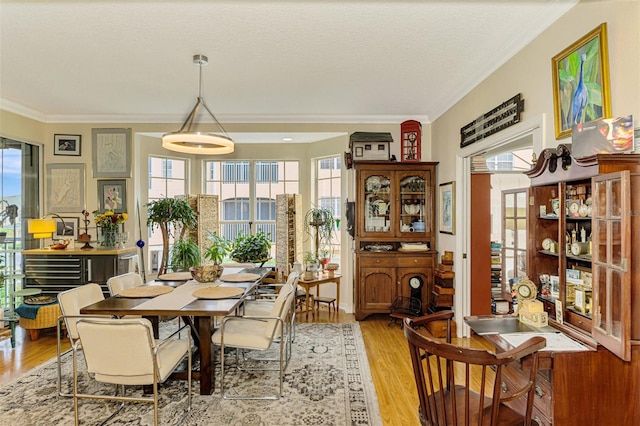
pixel 581 82
pixel 447 197
pixel 111 153
pixel 65 187
pixel 66 145
pixel 112 195
pixel 67 228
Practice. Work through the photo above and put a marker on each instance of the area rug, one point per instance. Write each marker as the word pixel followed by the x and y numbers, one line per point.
pixel 327 382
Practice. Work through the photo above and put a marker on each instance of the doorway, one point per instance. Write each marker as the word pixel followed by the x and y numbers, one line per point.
pixel 528 135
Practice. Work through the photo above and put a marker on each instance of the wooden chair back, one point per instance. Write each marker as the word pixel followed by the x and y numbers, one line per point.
pixel 461 385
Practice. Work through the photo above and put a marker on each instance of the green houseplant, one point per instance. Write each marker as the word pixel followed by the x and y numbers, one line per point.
pixel 173 217
pixel 320 224
pixel 251 248
pixel 185 253
pixel 218 248
pixel 215 253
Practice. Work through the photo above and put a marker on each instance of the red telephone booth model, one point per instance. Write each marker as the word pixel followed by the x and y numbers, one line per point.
pixel 411 131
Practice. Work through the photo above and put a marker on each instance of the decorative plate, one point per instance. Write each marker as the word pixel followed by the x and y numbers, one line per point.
pixel 39 300
pixel 373 184
pixel 379 247
pixel 412 209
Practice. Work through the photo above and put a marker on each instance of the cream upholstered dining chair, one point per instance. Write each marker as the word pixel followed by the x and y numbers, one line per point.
pixel 120 282
pixel 71 301
pixel 264 305
pixel 124 352
pixel 257 333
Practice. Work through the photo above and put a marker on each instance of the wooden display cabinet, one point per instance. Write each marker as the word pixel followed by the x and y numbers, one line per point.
pixel 598 284
pixel 395 209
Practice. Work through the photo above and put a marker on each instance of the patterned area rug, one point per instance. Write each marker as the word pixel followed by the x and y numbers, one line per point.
pixel 327 382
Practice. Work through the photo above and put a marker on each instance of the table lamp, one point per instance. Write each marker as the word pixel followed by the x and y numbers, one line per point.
pixel 43 228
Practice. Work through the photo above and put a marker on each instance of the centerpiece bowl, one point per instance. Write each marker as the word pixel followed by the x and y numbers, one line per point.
pixel 206 273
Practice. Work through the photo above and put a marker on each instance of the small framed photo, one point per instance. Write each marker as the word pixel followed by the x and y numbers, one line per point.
pixel 559 311
pixel 447 201
pixel 554 280
pixel 583 300
pixel 67 228
pixel 66 145
pixel 112 195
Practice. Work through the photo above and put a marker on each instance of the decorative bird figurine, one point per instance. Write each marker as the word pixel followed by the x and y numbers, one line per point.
pixel 580 95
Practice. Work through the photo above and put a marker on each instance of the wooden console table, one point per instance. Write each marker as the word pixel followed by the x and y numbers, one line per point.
pixel 323 279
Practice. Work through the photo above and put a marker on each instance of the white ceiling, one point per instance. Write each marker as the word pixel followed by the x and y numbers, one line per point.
pixel 282 61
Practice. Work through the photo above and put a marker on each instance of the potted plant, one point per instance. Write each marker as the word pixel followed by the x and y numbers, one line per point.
pixel 311 265
pixel 185 253
pixel 172 216
pixel 215 253
pixel 251 248
pixel 320 224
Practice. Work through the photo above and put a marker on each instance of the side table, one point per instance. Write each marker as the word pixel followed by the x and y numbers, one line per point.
pixel 12 328
pixel 323 279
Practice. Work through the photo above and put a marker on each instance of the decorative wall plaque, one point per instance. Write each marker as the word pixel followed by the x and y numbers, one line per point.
pixel 504 115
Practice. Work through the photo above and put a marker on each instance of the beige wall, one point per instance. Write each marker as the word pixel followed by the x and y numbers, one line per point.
pixel 529 73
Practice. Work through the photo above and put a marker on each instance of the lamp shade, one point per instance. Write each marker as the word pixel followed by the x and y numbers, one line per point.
pixel 41 228
pixel 197 143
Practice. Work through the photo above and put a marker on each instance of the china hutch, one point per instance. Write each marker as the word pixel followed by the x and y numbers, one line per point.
pixel 583 214
pixel 394 234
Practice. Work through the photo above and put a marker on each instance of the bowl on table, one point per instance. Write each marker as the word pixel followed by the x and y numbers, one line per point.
pixel 206 273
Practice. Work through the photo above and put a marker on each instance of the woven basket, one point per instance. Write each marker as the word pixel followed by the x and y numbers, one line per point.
pixel 206 273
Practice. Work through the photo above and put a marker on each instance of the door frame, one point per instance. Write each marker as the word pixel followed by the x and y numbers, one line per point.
pixel 533 127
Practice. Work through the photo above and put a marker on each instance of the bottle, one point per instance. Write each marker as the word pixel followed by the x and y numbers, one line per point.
pixel 583 235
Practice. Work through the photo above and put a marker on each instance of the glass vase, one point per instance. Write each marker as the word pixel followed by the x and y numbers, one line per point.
pixel 108 239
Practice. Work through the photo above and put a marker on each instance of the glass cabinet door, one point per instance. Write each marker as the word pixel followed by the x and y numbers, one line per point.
pixel 611 251
pixel 514 239
pixel 377 204
pixel 412 204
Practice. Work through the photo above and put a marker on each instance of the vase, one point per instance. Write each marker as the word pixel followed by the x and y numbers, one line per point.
pixel 108 239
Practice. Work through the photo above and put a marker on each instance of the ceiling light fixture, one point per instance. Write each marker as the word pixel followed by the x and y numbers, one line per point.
pixel 190 142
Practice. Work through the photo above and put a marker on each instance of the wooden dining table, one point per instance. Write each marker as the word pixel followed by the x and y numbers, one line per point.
pixel 199 314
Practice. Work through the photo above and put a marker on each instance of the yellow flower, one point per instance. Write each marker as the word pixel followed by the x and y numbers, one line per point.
pixel 108 213
pixel 125 216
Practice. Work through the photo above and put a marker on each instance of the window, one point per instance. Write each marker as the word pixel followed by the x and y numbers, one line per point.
pixel 19 189
pixel 511 161
pixel 247 191
pixel 328 195
pixel 167 178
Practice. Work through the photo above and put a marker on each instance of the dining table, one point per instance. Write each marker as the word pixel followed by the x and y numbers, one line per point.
pixel 198 313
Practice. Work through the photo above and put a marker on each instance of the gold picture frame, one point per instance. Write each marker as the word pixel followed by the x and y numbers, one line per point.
pixel 581 78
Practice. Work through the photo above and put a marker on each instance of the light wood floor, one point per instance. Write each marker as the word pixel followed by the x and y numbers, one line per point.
pixel 387 352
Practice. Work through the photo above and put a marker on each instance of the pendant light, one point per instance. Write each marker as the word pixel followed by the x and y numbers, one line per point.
pixel 191 142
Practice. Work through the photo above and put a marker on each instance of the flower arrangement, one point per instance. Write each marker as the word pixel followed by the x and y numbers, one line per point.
pixel 108 222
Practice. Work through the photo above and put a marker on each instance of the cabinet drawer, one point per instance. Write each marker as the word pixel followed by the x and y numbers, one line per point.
pixel 377 262
pixel 578 320
pixel 514 378
pixel 408 262
pixel 539 419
